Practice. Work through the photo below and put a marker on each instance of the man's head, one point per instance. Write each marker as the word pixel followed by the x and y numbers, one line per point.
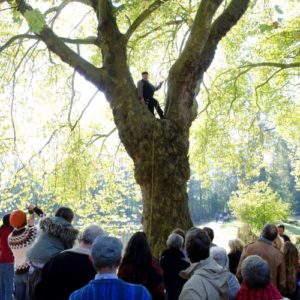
pixel 89 234
pixel 106 253
pixel 145 75
pixel 17 219
pixel 175 241
pixel 269 232
pixel 197 244
pixel 281 229
pixel 220 256
pixel 65 213
pixel 255 272
pixel 210 233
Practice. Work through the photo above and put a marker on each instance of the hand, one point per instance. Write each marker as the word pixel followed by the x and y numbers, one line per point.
pixel 31 207
pixel 160 84
pixel 143 100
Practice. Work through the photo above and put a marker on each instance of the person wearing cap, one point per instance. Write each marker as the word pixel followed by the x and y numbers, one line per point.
pixel 106 256
pixel 6 261
pixel 70 270
pixel 19 241
pixel 146 92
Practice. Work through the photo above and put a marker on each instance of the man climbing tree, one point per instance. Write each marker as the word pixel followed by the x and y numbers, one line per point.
pixel 158 148
pixel 146 92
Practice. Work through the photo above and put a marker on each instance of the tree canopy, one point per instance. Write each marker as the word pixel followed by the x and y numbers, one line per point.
pixel 59 143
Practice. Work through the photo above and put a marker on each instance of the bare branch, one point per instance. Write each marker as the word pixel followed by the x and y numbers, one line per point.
pixel 84 110
pixel 96 75
pixel 96 137
pixel 272 65
pixel 220 28
pixel 24 36
pixel 143 17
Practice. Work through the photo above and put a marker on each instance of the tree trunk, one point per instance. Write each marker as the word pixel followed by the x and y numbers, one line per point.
pixel 162 171
pixel 159 150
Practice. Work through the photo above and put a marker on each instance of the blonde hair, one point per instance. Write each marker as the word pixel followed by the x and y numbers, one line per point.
pixel 278 243
pixel 236 245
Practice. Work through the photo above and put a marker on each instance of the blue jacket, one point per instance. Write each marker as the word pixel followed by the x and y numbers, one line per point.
pixel 111 289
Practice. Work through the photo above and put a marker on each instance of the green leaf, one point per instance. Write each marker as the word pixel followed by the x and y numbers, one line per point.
pixel 35 20
pixel 265 28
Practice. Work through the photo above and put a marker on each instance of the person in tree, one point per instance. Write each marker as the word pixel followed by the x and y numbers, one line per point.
pixel 146 92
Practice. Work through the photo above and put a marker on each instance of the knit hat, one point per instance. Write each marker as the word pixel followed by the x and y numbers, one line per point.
pixel 17 219
pixel 106 251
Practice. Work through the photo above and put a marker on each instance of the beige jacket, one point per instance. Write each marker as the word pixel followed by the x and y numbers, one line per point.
pixel 272 256
pixel 206 281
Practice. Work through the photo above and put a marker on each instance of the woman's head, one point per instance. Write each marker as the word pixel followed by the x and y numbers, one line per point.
pixel 65 213
pixel 236 245
pixel 138 250
pixel 5 220
pixel 291 257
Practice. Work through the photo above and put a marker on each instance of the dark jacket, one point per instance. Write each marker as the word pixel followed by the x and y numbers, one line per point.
pixel 6 255
pixel 234 259
pixel 173 262
pixel 65 273
pixel 152 280
pixel 56 235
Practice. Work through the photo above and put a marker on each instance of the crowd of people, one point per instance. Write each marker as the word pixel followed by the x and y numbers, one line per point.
pixel 53 260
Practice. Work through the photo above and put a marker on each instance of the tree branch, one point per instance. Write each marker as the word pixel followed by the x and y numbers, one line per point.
pixel 85 41
pixel 220 28
pixel 56 44
pixel 143 17
pixel 272 65
pixel 184 73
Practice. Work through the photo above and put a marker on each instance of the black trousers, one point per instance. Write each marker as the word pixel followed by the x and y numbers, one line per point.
pixel 153 103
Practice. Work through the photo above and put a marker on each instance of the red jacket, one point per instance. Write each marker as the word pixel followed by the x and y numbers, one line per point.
pixel 6 255
pixel 270 292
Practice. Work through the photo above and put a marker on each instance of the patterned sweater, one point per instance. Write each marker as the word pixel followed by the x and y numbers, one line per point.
pixel 19 242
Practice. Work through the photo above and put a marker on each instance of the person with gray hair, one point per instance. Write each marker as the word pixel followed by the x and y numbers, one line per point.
pixel 172 262
pixel 220 256
pixel 69 270
pixel 264 248
pixel 257 280
pixel 106 256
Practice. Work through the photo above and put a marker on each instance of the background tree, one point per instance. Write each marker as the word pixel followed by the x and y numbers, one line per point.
pixel 258 205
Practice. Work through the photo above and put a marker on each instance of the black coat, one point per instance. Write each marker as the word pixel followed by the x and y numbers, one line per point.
pixel 63 274
pixel 172 262
pixel 234 259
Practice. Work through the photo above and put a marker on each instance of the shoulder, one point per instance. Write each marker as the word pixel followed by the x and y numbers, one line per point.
pixel 189 292
pixel 82 293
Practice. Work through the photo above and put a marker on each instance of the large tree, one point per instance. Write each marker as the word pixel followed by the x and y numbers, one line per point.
pixel 158 148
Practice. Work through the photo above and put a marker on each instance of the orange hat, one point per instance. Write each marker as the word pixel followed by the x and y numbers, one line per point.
pixel 17 219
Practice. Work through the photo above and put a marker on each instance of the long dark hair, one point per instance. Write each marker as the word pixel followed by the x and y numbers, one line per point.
pixel 138 254
pixel 291 257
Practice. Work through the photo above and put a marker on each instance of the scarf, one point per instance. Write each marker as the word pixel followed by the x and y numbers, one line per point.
pixel 270 292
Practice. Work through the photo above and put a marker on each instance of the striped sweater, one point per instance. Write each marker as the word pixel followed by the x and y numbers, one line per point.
pixel 20 240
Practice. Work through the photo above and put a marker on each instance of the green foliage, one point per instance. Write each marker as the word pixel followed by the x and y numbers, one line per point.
pixel 35 20
pixel 257 205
